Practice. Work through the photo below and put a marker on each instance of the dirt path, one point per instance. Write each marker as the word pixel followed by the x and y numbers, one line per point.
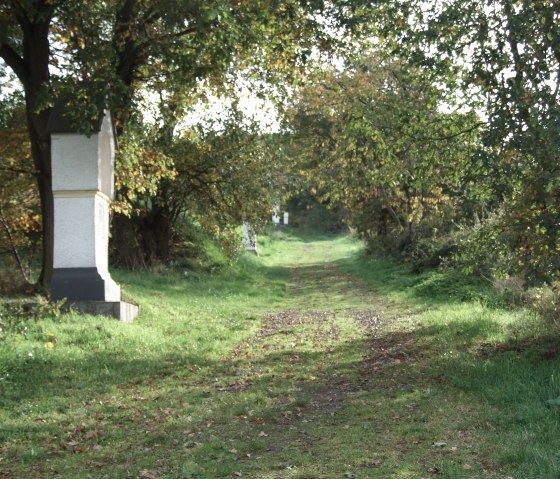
pixel 318 352
pixel 352 385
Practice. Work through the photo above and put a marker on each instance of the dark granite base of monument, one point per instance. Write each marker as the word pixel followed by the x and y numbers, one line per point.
pixel 90 292
pixel 80 284
pixel 120 310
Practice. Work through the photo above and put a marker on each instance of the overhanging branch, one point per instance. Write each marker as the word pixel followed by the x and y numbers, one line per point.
pixel 14 61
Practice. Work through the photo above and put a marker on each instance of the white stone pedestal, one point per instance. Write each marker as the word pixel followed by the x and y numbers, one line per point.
pixel 81 229
pixel 276 216
pixel 83 186
pixel 249 239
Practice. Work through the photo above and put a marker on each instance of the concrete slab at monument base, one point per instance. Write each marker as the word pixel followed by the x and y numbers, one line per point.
pixel 120 310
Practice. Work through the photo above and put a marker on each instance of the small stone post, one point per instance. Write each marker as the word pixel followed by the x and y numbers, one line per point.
pixel 83 188
pixel 249 239
pixel 286 218
pixel 276 216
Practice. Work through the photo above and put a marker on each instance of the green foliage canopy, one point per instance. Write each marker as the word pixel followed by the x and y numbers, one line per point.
pixel 505 58
pixel 79 51
pixel 376 141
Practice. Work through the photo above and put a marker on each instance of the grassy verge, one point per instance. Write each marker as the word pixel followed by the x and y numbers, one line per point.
pixel 498 366
pixel 307 362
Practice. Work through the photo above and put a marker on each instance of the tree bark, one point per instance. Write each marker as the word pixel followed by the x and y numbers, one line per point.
pixel 142 241
pixel 31 66
pixel 408 236
pixel 156 230
pixel 383 224
pixel 126 250
pixel 41 148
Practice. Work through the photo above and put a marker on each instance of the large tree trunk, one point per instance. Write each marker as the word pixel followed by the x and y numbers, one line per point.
pixel 41 149
pixel 142 241
pixel 31 66
pixel 156 230
pixel 383 225
pixel 408 236
pixel 126 250
pixel 36 55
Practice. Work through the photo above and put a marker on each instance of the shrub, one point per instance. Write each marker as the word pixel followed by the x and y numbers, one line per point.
pixel 511 289
pixel 12 283
pixel 545 300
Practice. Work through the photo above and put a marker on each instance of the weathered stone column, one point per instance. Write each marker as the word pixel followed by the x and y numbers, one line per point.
pixel 83 188
pixel 249 239
pixel 276 215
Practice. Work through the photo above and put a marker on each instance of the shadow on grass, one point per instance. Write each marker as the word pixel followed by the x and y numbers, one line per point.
pixel 235 408
pixel 174 287
pixel 94 374
pixel 145 404
pixel 510 384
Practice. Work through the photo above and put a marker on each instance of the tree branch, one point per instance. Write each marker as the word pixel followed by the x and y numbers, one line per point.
pixel 14 61
pixel 18 171
pixel 13 247
pixel 454 135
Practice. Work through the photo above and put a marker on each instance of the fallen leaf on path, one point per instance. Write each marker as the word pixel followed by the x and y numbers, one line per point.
pixel 91 435
pixel 148 475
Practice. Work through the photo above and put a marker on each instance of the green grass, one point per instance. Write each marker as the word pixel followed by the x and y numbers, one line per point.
pixel 310 361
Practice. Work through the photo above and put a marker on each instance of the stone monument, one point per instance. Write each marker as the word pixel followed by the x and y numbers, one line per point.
pixel 249 239
pixel 286 215
pixel 276 216
pixel 83 188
